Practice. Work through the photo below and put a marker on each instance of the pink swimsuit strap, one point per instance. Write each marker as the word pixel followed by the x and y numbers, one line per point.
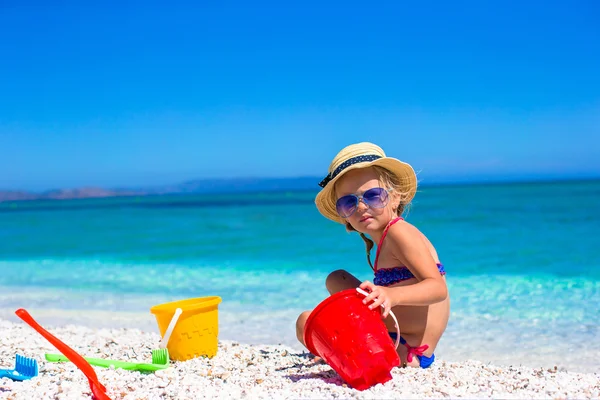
pixel 392 222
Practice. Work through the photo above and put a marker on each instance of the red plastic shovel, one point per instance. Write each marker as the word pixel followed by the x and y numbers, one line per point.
pixel 98 390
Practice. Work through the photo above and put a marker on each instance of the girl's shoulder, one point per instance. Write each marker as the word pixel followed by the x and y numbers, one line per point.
pixel 405 237
pixel 405 233
pixel 402 229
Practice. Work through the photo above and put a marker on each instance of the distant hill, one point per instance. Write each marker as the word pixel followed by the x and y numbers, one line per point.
pixel 231 185
pixel 239 185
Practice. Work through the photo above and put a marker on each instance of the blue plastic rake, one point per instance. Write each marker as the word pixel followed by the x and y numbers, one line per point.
pixel 25 368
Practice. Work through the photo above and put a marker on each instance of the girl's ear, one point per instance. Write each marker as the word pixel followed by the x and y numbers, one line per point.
pixel 394 201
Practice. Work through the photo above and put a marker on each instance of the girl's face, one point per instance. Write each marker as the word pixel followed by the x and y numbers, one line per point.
pixel 366 219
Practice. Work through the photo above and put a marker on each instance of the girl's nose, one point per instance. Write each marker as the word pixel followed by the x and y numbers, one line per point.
pixel 362 205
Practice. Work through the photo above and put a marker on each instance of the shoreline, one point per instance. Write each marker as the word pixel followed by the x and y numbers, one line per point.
pixel 258 371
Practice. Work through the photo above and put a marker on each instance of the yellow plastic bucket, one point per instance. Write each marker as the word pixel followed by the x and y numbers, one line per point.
pixel 197 330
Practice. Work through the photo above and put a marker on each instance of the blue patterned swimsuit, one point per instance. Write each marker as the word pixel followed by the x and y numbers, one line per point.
pixel 391 276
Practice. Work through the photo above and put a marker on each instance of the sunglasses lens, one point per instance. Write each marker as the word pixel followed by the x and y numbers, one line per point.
pixel 346 205
pixel 376 197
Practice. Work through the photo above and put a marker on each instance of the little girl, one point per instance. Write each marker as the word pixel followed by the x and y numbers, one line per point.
pixel 368 192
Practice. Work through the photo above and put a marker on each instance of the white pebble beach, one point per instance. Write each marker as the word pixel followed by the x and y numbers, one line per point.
pixel 258 371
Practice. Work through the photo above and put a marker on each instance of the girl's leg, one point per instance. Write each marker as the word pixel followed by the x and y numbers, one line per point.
pixel 336 282
pixel 341 280
pixel 300 322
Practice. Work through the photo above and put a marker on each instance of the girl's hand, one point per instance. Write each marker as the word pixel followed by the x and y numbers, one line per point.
pixel 379 295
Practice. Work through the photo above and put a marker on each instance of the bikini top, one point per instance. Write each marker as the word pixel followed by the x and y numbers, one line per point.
pixel 390 276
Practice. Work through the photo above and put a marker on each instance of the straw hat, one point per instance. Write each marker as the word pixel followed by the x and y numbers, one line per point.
pixel 361 155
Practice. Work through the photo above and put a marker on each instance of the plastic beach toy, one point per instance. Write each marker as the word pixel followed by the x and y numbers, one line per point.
pixel 359 290
pixel 98 390
pixel 25 368
pixel 195 332
pixel 160 360
pixel 352 339
pixel 165 340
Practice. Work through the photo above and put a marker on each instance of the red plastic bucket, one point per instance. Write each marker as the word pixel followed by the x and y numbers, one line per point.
pixel 352 339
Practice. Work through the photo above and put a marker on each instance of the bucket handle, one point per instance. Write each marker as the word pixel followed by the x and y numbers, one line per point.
pixel 359 290
pixel 165 340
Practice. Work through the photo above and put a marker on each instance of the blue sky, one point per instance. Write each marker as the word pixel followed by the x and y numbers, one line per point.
pixel 144 93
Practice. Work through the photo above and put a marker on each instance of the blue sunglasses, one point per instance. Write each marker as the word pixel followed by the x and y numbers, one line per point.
pixel 374 198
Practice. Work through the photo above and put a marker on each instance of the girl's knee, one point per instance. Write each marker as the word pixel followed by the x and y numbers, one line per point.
pixel 333 278
pixel 302 318
pixel 300 323
pixel 339 280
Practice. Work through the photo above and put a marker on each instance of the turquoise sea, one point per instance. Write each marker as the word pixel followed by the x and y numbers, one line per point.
pixel 523 263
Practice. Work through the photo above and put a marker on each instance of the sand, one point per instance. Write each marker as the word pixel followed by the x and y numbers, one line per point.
pixel 259 371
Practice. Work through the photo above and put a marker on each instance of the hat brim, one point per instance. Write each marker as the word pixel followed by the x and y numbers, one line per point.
pixel 325 200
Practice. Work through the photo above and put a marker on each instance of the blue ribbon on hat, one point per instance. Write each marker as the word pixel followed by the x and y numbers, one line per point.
pixel 346 164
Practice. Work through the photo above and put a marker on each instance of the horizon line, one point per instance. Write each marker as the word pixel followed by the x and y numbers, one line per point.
pixel 479 181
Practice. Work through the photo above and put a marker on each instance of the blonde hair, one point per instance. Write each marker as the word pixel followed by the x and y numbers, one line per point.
pixel 390 181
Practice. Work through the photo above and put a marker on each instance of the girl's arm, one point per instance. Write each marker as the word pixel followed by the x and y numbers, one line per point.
pixel 407 245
